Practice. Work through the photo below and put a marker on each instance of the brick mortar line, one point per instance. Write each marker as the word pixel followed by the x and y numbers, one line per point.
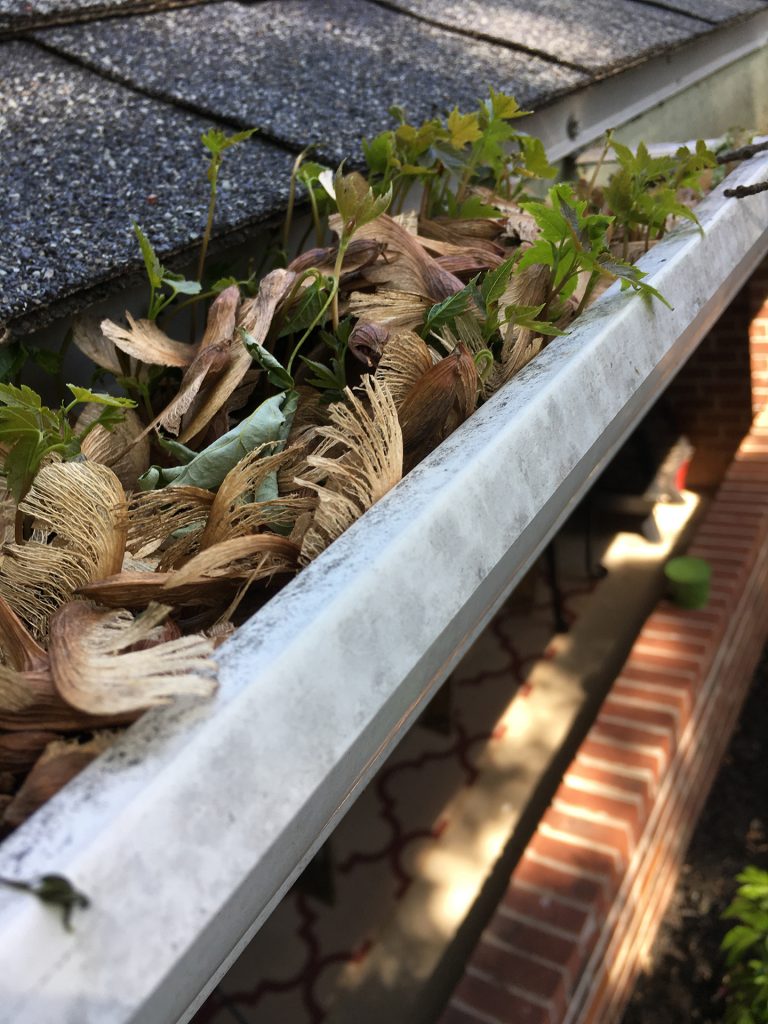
pixel 596 817
pixel 508 986
pixel 629 770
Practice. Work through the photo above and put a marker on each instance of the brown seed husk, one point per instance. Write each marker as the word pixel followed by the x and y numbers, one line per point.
pixel 59 763
pixel 7 512
pixel 359 458
pixel 519 348
pixel 155 516
pixel 405 360
pixel 125 448
pixel 80 508
pixel 393 310
pixel 235 559
pixel 529 287
pixel 204 580
pixel 440 401
pixel 143 340
pixel 463 231
pixel 366 343
pixel 255 317
pixel 235 514
pixel 95 670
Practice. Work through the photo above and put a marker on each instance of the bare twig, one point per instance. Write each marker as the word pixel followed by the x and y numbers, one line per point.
pixel 746 190
pixel 743 153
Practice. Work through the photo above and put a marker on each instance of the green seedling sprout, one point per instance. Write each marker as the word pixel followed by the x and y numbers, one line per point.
pixel 160 278
pixel 217 143
pixel 358 205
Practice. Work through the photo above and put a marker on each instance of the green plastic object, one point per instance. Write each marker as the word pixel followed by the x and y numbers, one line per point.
pixel 688 581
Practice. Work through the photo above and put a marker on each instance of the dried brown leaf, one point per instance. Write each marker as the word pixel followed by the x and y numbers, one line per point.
pixel 208 364
pixel 59 763
pixel 143 340
pixel 93 343
pixel 95 669
pixel 222 318
pixel 255 318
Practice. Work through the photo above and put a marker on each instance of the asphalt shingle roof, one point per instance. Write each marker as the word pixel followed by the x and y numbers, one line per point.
pixel 593 34
pixel 307 74
pixel 100 119
pixel 82 158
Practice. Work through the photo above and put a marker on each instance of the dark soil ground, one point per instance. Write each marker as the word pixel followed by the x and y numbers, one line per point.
pixel 684 981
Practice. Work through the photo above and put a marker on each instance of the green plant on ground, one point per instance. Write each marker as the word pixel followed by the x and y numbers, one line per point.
pixel 165 285
pixel 358 205
pixel 746 950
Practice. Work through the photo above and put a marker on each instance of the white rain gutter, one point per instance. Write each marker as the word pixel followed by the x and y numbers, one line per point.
pixel 189 830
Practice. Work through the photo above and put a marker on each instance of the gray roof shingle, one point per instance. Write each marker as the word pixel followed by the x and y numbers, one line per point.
pixel 83 157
